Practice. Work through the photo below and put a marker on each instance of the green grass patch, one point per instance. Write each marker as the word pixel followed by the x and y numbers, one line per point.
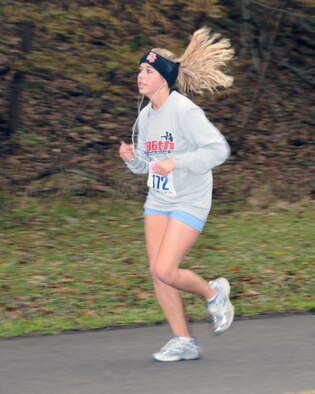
pixel 70 264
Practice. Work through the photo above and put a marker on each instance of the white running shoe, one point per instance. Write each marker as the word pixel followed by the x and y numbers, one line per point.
pixel 221 309
pixel 177 349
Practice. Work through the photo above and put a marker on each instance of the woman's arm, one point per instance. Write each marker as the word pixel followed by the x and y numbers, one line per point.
pixel 207 146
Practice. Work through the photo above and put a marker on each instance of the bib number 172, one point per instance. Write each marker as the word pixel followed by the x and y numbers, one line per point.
pixel 162 184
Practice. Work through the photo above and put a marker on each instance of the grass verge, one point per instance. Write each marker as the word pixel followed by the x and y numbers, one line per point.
pixel 70 264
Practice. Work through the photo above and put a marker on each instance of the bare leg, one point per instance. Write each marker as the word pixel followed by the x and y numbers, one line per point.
pixel 168 297
pixel 168 240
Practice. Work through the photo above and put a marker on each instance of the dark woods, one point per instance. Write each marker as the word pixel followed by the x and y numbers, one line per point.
pixel 68 93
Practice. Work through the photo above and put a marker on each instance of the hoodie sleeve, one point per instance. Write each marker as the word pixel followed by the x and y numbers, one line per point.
pixel 207 147
pixel 140 164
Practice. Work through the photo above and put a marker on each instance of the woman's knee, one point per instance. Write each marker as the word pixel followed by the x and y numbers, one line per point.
pixel 164 274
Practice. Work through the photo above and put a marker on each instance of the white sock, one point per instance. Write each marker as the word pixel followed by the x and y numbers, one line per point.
pixel 186 339
pixel 211 300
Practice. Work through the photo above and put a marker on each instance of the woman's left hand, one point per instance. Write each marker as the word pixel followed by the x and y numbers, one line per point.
pixel 164 167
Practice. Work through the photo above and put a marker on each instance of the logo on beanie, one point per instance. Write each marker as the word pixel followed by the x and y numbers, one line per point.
pixel 151 57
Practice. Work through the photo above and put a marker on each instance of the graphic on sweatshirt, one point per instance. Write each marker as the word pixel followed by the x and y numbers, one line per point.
pixel 165 144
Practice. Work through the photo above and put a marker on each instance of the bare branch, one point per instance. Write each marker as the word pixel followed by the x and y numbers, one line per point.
pixel 298 72
pixel 264 70
pixel 248 41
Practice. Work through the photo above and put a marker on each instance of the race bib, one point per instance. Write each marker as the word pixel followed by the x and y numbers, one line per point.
pixel 162 184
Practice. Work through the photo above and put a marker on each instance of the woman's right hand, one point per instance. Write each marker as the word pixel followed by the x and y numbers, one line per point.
pixel 126 151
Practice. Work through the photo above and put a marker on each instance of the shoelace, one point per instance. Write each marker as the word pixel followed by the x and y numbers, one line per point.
pixel 169 344
pixel 175 344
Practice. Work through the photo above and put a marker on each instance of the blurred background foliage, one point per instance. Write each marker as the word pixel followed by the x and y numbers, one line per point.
pixel 68 93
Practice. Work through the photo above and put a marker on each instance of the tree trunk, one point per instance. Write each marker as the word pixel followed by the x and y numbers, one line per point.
pixel 15 103
pixel 17 82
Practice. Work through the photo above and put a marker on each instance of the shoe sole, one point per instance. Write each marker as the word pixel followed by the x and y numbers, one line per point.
pixel 224 283
pixel 218 331
pixel 161 359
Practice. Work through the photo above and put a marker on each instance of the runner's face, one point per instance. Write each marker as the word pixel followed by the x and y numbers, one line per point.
pixel 149 80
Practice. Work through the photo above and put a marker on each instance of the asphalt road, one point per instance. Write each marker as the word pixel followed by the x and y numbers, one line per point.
pixel 257 356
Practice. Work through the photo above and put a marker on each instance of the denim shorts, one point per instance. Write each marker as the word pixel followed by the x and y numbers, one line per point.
pixel 182 216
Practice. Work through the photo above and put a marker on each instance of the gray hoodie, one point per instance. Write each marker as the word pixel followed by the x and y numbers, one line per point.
pixel 179 130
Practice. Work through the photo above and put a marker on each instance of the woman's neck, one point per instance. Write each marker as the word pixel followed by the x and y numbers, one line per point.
pixel 160 98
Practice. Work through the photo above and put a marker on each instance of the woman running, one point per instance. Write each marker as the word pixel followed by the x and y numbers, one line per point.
pixel 178 147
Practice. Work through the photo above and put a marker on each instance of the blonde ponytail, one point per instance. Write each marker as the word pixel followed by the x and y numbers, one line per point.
pixel 200 66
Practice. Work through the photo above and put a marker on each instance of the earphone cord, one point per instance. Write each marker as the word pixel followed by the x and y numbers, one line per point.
pixel 134 126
